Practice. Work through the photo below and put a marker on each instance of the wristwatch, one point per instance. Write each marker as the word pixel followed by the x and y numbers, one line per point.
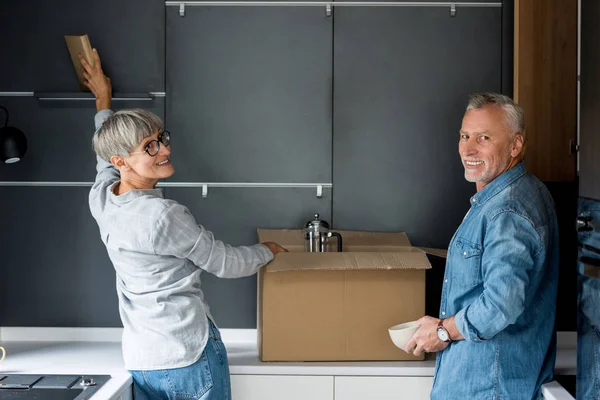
pixel 442 333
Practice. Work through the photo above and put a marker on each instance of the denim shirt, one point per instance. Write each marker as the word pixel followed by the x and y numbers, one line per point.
pixel 588 315
pixel 500 283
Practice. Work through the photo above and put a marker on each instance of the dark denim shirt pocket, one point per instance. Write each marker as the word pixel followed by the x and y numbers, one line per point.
pixel 466 271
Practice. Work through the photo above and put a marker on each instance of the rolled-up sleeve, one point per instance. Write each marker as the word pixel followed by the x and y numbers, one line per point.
pixel 511 244
pixel 177 234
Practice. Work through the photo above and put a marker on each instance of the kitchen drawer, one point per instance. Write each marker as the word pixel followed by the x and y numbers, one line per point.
pixel 269 387
pixel 383 388
pixel 127 394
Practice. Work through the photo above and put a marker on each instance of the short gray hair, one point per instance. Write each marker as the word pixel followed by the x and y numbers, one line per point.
pixel 515 117
pixel 123 131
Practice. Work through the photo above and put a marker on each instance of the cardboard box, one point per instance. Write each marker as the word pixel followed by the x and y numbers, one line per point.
pixel 339 306
pixel 80 44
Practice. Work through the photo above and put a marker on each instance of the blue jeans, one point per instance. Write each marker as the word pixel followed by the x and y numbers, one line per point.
pixel 206 379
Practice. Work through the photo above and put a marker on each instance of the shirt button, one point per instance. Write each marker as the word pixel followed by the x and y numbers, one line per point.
pixel 446 280
pixel 465 253
pixel 443 313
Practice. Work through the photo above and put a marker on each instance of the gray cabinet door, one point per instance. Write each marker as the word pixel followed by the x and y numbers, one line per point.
pixel 55 269
pixel 446 5
pixel 589 140
pixel 59 136
pixel 402 76
pixel 234 215
pixel 129 36
pixel 250 93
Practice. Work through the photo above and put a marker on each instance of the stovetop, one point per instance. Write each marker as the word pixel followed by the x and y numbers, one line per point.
pixel 50 387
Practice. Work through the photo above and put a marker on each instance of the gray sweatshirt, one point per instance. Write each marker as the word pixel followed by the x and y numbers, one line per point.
pixel 159 252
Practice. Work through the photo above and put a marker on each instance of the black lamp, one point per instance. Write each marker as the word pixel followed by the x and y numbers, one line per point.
pixel 13 143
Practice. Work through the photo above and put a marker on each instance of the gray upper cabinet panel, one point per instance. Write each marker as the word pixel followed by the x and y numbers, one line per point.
pixel 446 4
pixel 589 161
pixel 308 1
pixel 234 215
pixel 55 268
pixel 250 93
pixel 402 80
pixel 227 1
pixel 59 136
pixel 129 36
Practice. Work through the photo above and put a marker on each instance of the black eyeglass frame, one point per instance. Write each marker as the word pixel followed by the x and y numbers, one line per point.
pixel 160 140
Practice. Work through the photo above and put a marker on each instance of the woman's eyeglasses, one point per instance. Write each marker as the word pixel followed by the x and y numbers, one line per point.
pixel 153 146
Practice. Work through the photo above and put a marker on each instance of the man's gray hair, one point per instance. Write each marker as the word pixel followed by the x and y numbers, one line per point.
pixel 515 117
pixel 123 131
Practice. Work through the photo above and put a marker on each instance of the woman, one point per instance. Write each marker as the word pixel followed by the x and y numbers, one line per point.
pixel 170 343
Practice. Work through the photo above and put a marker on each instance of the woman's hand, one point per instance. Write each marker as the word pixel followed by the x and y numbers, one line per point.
pixel 274 247
pixel 98 83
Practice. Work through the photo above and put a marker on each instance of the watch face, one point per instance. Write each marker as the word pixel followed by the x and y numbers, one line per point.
pixel 442 334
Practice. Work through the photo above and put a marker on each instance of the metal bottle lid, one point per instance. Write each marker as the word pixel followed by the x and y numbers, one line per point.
pixel 316 225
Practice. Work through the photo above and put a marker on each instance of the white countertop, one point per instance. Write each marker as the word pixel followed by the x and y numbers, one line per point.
pixel 79 356
pixel 72 358
pixel 243 360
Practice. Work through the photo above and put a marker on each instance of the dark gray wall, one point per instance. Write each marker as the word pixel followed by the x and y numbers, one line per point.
pixel 402 77
pixel 369 98
pixel 250 93
pixel 508 39
pixel 59 136
pixel 589 167
pixel 128 34
pixel 55 270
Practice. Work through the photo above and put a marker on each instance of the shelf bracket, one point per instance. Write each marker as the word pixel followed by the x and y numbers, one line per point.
pixel 328 9
pixel 453 10
pixel 182 9
pixel 204 191
pixel 319 191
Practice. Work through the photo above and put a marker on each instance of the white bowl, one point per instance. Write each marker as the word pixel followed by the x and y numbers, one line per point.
pixel 401 334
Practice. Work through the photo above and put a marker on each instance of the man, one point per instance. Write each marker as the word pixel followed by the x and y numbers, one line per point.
pixel 496 336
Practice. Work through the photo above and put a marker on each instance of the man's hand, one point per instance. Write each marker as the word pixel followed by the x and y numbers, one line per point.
pixel 425 339
pixel 274 247
pixel 98 83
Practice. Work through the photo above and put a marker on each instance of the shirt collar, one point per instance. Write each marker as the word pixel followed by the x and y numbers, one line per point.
pixel 499 184
pixel 133 194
